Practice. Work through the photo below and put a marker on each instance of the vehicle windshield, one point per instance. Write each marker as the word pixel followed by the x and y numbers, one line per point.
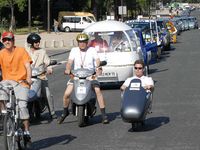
pixel 116 41
pixel 92 18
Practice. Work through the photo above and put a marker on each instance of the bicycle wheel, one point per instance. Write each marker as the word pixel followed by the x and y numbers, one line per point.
pixel 9 132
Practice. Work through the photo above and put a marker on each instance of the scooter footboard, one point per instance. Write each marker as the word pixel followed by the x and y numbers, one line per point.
pixel 134 107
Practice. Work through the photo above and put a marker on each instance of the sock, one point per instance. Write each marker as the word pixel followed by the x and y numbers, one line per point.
pixel 65 111
pixel 103 111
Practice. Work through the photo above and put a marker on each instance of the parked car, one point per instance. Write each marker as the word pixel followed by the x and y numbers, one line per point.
pixel 150 28
pixel 1 45
pixel 149 49
pixel 120 53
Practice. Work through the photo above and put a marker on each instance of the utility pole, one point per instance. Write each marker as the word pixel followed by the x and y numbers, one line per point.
pixel 29 16
pixel 48 16
pixel 122 11
pixel 149 8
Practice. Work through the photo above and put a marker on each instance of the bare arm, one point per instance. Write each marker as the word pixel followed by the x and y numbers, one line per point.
pixel 97 62
pixel 149 87
pixel 68 66
pixel 122 88
pixel 29 71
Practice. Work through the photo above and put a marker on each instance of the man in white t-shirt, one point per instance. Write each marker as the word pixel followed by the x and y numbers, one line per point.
pixel 83 57
pixel 147 82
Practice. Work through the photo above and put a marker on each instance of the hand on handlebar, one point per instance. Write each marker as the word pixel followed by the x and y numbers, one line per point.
pixel 49 70
pixel 29 82
pixel 68 72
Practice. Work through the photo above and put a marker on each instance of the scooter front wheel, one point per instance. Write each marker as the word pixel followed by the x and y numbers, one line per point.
pixel 81 116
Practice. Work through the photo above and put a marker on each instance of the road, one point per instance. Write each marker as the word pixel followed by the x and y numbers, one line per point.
pixel 173 125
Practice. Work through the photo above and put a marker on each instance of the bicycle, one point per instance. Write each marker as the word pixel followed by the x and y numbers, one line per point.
pixel 13 130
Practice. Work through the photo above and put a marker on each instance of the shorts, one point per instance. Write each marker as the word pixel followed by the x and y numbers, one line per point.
pixel 21 93
pixel 95 83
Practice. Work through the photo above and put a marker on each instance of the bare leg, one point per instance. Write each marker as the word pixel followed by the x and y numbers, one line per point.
pixel 26 125
pixel 101 105
pixel 99 97
pixel 66 102
pixel 68 91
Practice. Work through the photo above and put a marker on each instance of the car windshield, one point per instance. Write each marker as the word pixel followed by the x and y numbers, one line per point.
pixel 108 42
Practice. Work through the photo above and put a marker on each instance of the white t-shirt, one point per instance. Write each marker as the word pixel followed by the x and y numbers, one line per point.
pixel 144 80
pixel 85 59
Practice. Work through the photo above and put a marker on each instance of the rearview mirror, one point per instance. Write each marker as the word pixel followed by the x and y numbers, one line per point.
pixel 103 63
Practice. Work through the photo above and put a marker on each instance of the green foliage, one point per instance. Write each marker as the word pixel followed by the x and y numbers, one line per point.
pixel 9 3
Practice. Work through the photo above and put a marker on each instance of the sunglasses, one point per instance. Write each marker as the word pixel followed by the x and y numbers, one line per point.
pixel 7 39
pixel 138 68
pixel 37 42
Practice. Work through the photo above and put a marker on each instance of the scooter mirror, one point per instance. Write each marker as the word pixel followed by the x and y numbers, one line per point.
pixel 103 63
pixel 53 62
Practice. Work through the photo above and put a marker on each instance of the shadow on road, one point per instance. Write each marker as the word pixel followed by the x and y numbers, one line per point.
pixel 151 124
pixel 151 71
pixel 44 143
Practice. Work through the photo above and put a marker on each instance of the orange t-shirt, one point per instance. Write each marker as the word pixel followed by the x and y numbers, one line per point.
pixel 13 64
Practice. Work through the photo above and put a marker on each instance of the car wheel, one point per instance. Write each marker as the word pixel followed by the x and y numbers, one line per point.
pixel 67 29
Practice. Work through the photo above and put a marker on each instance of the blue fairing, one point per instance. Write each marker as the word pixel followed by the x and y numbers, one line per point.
pixel 135 103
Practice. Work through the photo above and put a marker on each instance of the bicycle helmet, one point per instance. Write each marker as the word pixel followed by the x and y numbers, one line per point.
pixel 82 37
pixel 33 38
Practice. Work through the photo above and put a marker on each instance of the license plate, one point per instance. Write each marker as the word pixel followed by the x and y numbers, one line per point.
pixel 109 74
pixel 81 90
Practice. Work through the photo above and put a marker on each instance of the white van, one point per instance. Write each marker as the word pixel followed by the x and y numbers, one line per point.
pixel 75 21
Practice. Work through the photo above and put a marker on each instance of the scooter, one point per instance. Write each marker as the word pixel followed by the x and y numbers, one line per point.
pixel 83 96
pixel 136 103
pixel 37 103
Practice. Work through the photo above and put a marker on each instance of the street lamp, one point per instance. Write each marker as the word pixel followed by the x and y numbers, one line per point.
pixel 29 16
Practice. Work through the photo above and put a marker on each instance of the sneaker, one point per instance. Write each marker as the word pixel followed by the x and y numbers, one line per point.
pixel 53 116
pixel 105 120
pixel 62 118
pixel 27 139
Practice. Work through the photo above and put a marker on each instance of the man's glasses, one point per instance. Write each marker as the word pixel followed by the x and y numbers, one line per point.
pixel 138 68
pixel 7 39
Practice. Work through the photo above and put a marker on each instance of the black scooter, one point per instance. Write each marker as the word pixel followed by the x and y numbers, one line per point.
pixel 136 103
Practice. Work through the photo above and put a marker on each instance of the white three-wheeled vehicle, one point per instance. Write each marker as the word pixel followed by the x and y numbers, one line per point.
pixel 118 47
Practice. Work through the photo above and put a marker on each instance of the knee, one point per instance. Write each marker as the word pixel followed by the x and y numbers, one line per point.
pixel 24 114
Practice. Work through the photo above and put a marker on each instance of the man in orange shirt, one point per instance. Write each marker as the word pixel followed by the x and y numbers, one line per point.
pixel 15 64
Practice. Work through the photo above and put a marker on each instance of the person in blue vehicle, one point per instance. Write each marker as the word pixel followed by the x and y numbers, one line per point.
pixel 147 82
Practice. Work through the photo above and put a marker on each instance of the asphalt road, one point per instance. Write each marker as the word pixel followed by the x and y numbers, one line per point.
pixel 173 125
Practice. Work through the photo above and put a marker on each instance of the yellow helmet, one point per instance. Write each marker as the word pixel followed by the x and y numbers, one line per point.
pixel 82 37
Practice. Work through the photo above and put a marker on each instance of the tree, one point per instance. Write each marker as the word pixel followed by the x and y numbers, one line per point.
pixel 21 4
